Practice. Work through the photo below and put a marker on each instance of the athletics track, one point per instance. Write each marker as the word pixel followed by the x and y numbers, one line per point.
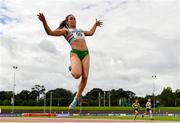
pixel 71 120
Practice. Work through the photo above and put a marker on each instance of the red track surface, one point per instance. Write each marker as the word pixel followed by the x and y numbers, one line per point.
pixel 71 120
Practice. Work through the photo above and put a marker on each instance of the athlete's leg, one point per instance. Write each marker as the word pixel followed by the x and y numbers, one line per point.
pixel 85 73
pixel 145 113
pixel 150 113
pixel 136 113
pixel 76 66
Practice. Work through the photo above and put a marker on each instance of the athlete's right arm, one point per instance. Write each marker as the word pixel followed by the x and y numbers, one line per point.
pixel 57 32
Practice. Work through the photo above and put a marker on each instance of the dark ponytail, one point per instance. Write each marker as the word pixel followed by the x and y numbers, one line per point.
pixel 63 23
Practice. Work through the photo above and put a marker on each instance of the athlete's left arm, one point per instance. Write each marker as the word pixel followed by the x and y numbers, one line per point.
pixel 93 29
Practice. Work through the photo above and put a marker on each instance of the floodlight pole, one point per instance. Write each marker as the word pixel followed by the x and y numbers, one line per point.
pixel 109 99
pixel 14 84
pixel 44 102
pixel 153 77
pixel 50 101
pixel 104 99
pixel 99 99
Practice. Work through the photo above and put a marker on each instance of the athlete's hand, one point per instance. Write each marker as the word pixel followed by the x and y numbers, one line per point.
pixel 98 23
pixel 41 17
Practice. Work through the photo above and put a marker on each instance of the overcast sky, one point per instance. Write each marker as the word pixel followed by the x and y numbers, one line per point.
pixel 138 39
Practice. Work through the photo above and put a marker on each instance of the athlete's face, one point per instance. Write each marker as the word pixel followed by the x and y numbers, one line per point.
pixel 71 21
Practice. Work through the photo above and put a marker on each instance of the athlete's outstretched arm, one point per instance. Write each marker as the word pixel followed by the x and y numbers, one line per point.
pixel 57 32
pixel 93 29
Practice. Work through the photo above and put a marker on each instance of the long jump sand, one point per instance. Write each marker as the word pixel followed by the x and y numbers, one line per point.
pixel 71 120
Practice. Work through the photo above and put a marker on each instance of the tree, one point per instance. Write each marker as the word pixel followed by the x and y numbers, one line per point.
pixel 60 97
pixel 33 95
pixel 22 98
pixel 116 95
pixel 23 95
pixel 40 89
pixel 177 97
pixel 167 97
pixel 5 95
pixel 94 93
pixel 93 96
pixel 130 94
pixel 6 102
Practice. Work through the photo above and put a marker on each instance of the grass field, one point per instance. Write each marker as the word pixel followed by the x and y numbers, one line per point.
pixel 156 118
pixel 159 118
pixel 95 108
